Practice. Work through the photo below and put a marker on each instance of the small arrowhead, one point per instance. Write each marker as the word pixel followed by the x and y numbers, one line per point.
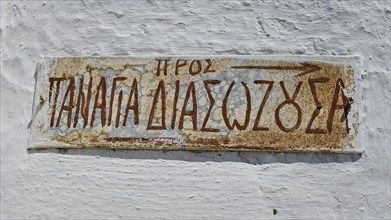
pixel 308 68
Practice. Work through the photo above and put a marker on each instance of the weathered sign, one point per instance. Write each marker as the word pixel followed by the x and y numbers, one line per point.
pixel 233 103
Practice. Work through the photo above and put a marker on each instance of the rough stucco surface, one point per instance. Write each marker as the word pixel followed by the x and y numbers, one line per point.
pixel 179 185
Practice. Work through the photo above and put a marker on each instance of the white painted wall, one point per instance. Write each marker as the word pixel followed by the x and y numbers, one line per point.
pixel 182 185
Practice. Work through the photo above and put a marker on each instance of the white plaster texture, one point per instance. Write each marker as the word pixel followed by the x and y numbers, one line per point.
pixel 91 184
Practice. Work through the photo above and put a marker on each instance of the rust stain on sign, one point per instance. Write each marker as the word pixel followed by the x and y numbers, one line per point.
pixel 231 103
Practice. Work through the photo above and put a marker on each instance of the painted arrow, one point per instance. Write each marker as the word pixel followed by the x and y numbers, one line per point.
pixel 305 68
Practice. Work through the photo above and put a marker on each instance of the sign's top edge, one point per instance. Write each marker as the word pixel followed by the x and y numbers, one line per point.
pixel 205 56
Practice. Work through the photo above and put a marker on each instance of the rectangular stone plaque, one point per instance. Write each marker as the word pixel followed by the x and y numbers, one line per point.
pixel 291 103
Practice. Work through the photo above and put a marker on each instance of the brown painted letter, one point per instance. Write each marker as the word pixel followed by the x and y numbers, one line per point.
pixel 334 105
pixel 174 109
pixel 70 91
pixel 113 87
pixel 83 105
pixel 165 67
pixel 208 68
pixel 162 91
pixel 289 100
pixel 319 106
pixel 193 112
pixel 178 65
pixel 263 103
pixel 54 107
pixel 102 105
pixel 118 109
pixel 134 107
pixel 212 102
pixel 198 70
pixel 248 109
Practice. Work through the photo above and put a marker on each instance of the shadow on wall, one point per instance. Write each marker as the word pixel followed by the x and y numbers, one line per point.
pixel 250 157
